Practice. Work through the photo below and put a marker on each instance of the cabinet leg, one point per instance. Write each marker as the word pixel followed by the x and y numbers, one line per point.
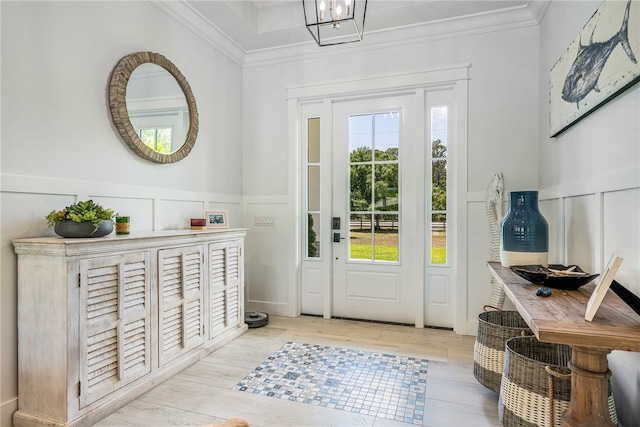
pixel 589 405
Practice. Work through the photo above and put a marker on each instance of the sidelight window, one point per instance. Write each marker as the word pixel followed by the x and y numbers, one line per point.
pixel 313 188
pixel 439 189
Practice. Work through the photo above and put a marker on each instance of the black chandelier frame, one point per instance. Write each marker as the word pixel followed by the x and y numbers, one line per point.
pixel 333 32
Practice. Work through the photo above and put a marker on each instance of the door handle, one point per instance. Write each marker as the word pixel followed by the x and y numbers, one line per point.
pixel 337 238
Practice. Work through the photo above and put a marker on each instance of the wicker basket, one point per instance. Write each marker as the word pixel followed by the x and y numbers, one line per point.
pixel 494 329
pixel 536 384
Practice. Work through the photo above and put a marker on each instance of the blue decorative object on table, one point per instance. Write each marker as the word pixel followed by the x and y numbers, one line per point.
pixel 525 233
pixel 543 292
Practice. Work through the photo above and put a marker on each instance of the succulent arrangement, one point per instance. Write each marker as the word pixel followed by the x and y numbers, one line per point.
pixel 85 211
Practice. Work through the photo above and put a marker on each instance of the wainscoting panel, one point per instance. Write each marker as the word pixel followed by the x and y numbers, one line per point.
pixel 150 208
pixel 621 234
pixel 270 256
pixel 139 211
pixel 176 214
pixel 581 230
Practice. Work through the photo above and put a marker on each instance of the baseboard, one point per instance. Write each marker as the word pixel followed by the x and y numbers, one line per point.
pixel 6 411
pixel 469 328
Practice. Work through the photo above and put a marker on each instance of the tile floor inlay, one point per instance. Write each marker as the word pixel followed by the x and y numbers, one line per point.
pixel 377 384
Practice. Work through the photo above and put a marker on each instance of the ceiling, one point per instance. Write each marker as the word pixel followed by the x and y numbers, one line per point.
pixel 265 24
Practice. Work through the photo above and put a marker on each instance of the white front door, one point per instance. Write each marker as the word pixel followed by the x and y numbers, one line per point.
pixel 376 237
pixel 373 191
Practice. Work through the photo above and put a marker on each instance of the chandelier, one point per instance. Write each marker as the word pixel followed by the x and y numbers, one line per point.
pixel 332 22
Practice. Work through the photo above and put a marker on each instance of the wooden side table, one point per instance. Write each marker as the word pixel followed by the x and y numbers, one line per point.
pixel 559 319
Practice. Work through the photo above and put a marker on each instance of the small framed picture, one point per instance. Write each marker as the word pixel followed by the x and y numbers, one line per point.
pixel 602 287
pixel 216 219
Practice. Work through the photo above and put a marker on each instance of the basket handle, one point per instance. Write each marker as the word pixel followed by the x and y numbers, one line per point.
pixel 558 375
pixel 487 307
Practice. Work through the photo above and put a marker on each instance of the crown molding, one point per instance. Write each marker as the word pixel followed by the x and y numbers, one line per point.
pixel 530 14
pixel 507 19
pixel 538 9
pixel 203 28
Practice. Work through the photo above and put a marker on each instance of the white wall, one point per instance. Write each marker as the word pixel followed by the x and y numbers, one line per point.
pixel 590 180
pixel 502 136
pixel 58 142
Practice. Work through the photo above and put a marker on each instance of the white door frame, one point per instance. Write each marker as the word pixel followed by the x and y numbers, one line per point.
pixel 454 77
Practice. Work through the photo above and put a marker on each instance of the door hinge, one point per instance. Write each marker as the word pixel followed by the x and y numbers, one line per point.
pixel 79 388
pixel 79 278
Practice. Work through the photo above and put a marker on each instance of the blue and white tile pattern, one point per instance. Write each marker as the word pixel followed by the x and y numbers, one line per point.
pixel 377 384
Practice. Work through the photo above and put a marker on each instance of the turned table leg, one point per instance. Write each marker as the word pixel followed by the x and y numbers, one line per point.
pixel 589 406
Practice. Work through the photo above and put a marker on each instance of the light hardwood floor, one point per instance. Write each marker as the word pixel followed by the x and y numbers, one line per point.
pixel 203 394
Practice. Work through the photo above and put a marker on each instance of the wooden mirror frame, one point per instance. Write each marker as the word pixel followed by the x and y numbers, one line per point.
pixel 118 105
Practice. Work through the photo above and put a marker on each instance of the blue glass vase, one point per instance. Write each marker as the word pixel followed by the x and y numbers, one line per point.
pixel 525 232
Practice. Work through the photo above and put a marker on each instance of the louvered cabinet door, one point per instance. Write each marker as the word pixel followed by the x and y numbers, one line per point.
pixel 114 324
pixel 180 294
pixel 225 284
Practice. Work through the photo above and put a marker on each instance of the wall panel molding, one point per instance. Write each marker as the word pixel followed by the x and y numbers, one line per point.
pixel 54 186
pixel 614 180
pixel 266 200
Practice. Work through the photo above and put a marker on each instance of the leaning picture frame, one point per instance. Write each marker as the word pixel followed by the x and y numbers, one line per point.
pixel 602 287
pixel 216 219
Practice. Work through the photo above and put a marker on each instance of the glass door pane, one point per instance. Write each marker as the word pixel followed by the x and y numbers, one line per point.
pixel 313 188
pixel 374 200
pixel 439 187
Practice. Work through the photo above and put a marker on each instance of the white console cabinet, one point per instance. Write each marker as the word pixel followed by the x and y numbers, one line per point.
pixel 101 321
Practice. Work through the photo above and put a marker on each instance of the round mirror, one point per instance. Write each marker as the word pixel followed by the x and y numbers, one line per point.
pixel 153 107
